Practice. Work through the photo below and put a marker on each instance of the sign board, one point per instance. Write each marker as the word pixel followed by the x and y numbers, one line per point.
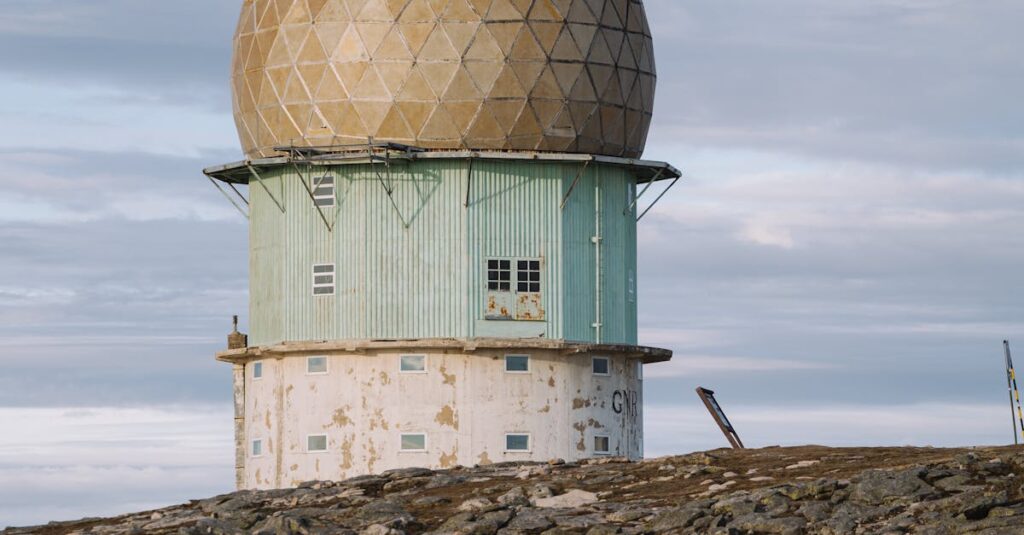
pixel 708 397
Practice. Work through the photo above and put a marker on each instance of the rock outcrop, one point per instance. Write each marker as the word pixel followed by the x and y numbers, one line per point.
pixel 769 491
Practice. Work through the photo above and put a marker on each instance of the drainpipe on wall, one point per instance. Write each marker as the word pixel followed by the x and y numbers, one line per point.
pixel 596 239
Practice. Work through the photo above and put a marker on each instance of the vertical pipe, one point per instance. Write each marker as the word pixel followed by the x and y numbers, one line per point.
pixel 597 254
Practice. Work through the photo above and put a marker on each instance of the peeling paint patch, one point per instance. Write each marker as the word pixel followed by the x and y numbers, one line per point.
pixel 579 403
pixel 545 409
pixel 448 460
pixel 447 416
pixel 293 467
pixel 582 428
pixel 346 454
pixel 484 460
pixel 448 379
pixel 266 420
pixel 551 381
pixel 340 418
pixel 384 379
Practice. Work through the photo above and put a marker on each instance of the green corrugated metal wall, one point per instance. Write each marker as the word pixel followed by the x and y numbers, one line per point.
pixel 428 279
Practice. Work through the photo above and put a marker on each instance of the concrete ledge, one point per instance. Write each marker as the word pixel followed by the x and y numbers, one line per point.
pixel 649 355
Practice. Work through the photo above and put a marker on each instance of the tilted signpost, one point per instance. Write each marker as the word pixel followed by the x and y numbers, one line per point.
pixel 708 397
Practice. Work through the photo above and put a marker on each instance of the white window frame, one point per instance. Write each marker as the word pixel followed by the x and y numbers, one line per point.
pixel 333 273
pixel 529 365
pixel 252 448
pixel 257 375
pixel 327 443
pixel 604 452
pixel 327 365
pixel 608 360
pixel 639 370
pixel 316 184
pixel 529 442
pixel 413 372
pixel 426 442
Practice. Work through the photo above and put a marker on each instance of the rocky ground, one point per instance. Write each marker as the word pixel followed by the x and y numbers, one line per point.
pixel 774 490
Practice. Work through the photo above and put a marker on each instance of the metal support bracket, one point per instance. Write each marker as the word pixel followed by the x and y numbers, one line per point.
pixel 469 182
pixel 636 198
pixel 228 197
pixel 260 180
pixel 575 181
pixel 658 199
pixel 385 180
pixel 312 198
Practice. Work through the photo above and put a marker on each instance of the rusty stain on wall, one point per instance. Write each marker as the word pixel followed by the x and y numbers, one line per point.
pixel 384 379
pixel 484 460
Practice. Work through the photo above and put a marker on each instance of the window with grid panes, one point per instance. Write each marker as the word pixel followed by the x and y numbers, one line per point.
pixel 499 275
pixel 528 276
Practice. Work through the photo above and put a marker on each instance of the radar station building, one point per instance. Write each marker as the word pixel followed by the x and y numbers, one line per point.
pixel 443 203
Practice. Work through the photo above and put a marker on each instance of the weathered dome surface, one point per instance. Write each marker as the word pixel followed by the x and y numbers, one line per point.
pixel 549 75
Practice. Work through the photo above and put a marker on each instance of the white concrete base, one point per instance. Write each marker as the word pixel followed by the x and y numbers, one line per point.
pixel 465 403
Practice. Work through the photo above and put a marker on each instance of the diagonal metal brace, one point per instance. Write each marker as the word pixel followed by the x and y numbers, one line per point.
pixel 575 181
pixel 260 180
pixel 312 197
pixel 387 184
pixel 228 197
pixel 658 199
pixel 636 198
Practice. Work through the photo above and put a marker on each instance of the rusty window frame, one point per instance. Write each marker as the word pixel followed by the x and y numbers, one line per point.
pixel 598 439
pixel 323 191
pixel 401 364
pixel 607 366
pixel 309 443
pixel 257 370
pixel 256 448
pixel 517 356
pixel 519 435
pixel 402 445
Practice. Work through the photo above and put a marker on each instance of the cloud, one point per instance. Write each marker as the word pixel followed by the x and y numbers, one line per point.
pixel 73 462
pixel 675 429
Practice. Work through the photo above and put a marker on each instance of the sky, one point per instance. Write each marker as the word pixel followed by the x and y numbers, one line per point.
pixel 840 264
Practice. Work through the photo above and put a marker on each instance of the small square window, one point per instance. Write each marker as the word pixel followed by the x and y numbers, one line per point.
pixel 602 444
pixel 323 191
pixel 257 370
pixel 499 275
pixel 515 442
pixel 316 365
pixel 323 279
pixel 517 363
pixel 413 364
pixel 316 443
pixel 601 365
pixel 528 276
pixel 414 442
pixel 257 448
